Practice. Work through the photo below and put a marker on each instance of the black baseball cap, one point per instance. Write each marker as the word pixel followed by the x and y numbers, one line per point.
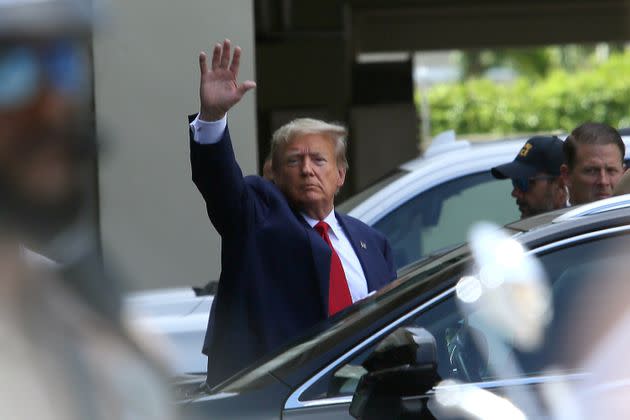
pixel 539 154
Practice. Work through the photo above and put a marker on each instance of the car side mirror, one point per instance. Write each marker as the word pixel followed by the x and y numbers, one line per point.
pixel 404 364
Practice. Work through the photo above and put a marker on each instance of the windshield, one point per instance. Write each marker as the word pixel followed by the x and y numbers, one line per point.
pixel 428 277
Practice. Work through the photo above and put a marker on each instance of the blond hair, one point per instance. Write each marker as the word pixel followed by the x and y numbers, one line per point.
pixel 303 126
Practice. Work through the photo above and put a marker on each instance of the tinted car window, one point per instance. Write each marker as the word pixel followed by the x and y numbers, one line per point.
pixel 441 216
pixel 479 354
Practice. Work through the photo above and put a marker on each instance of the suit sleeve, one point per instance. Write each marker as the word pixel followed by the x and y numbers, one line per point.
pixel 219 179
pixel 389 259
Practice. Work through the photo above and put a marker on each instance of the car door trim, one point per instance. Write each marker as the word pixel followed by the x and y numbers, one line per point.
pixel 579 238
pixel 294 402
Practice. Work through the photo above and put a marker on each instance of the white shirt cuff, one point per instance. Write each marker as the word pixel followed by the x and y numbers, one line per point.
pixel 208 132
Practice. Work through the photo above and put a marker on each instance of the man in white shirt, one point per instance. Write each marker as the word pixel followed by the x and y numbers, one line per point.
pixel 289 260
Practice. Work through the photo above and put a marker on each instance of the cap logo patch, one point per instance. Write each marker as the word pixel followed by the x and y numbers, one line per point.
pixel 525 150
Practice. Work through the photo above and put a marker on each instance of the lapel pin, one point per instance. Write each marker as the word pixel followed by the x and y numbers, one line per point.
pixel 363 245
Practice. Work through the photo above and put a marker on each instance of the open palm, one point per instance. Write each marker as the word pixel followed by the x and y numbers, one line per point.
pixel 219 89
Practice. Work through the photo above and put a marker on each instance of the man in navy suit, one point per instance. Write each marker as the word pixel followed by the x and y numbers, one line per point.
pixel 288 259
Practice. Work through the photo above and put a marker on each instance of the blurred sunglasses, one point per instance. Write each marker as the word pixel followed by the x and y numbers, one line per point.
pixel 26 68
pixel 523 184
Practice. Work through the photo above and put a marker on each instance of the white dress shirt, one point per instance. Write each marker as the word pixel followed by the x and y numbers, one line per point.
pixel 210 132
pixel 349 260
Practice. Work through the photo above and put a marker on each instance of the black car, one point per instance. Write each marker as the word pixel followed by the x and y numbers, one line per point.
pixel 365 352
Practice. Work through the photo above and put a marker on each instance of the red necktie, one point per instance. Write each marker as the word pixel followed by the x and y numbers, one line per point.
pixel 338 292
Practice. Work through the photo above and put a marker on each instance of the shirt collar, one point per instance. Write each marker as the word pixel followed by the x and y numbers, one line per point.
pixel 331 220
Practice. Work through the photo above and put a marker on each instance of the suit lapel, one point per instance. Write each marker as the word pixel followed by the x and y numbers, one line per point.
pixel 359 244
pixel 321 259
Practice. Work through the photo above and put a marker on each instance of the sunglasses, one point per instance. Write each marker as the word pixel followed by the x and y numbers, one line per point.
pixel 523 184
pixel 26 68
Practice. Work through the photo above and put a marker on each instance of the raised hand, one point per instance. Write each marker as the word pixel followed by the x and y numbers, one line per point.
pixel 218 88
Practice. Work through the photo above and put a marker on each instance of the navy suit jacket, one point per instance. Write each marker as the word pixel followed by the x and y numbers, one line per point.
pixel 275 267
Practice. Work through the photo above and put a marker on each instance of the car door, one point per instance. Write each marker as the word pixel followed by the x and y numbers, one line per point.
pixel 485 360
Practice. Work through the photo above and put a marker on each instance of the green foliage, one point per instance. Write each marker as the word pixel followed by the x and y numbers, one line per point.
pixel 559 101
pixel 530 62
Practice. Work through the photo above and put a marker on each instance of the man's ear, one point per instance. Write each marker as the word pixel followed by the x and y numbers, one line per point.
pixel 564 174
pixel 559 181
pixel 268 170
pixel 342 177
pixel 560 192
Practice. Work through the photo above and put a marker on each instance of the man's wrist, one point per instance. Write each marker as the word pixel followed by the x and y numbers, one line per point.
pixel 209 116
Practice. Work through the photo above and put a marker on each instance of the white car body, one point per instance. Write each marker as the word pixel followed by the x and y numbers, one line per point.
pixel 179 315
pixel 440 163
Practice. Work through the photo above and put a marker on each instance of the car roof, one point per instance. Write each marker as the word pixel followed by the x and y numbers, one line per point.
pixel 446 143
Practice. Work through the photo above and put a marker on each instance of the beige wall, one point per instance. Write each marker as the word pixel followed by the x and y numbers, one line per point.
pixel 153 221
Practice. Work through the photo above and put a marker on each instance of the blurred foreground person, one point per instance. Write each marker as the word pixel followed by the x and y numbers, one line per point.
pixel 594 155
pixel 594 340
pixel 66 352
pixel 535 175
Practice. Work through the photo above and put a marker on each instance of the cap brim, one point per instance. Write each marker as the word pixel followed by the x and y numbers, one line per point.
pixel 514 169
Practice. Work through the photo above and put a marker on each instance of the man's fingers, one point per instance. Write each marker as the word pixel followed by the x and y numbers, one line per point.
pixel 245 86
pixel 203 62
pixel 225 57
pixel 236 62
pixel 216 56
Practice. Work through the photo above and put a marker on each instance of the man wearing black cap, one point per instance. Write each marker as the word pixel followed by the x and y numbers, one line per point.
pixel 535 175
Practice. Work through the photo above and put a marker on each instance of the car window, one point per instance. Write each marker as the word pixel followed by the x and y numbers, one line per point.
pixel 441 216
pixel 468 351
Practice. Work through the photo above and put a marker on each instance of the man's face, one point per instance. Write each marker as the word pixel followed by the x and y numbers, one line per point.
pixel 541 195
pixel 40 131
pixel 596 171
pixel 308 174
